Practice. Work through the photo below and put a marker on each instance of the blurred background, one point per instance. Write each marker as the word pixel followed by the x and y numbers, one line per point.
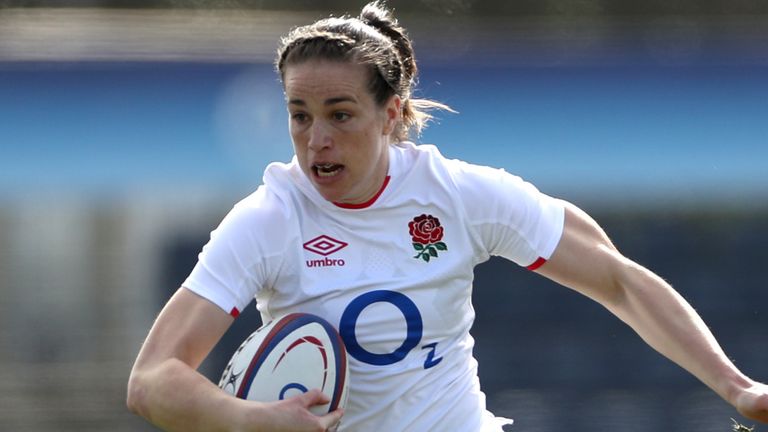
pixel 129 128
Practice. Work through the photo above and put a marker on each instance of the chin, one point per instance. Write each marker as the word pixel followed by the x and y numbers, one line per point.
pixel 329 195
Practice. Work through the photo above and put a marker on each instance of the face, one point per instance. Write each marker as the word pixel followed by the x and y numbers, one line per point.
pixel 340 135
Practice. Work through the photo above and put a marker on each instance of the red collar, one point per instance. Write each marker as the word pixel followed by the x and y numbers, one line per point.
pixel 367 203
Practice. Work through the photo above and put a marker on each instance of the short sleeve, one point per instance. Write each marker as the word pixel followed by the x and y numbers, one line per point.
pixel 511 217
pixel 239 259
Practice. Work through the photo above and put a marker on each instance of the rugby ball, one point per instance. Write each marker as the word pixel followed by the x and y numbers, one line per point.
pixel 287 357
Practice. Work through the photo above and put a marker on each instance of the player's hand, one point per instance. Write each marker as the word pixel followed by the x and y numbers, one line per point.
pixel 753 402
pixel 293 415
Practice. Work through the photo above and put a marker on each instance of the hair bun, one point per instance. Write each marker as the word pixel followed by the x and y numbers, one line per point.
pixel 376 15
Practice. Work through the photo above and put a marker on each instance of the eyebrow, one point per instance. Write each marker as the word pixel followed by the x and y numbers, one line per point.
pixel 329 101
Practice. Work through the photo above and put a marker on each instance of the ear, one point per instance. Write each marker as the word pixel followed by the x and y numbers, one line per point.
pixel 393 111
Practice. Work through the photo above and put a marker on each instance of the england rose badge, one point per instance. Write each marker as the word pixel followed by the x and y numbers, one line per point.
pixel 426 235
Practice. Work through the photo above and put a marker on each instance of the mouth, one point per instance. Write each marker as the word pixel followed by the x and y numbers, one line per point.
pixel 325 170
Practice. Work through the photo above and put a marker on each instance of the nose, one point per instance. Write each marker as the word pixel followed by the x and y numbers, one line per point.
pixel 319 136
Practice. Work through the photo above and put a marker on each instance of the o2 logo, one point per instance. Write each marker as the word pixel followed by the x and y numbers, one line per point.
pixel 415 327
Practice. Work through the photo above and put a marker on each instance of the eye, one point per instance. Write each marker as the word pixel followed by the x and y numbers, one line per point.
pixel 299 117
pixel 341 116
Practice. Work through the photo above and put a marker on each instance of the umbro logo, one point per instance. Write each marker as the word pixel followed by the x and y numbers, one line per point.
pixel 325 245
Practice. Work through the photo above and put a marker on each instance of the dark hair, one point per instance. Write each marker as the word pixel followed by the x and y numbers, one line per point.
pixel 374 39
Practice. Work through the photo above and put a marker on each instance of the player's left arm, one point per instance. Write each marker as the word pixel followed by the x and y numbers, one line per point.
pixel 586 261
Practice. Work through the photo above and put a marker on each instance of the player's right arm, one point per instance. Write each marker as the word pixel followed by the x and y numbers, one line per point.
pixel 166 389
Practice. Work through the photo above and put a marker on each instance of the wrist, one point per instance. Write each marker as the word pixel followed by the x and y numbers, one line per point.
pixel 736 384
pixel 249 416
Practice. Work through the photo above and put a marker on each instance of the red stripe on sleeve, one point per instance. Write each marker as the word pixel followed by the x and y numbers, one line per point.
pixel 234 312
pixel 536 264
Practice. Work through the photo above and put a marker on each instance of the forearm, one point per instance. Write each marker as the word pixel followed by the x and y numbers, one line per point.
pixel 670 325
pixel 586 261
pixel 165 387
pixel 175 397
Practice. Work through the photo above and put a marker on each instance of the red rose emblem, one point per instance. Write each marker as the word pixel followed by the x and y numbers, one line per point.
pixel 426 233
pixel 425 229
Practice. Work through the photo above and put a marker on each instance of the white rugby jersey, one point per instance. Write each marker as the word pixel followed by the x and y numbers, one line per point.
pixel 394 275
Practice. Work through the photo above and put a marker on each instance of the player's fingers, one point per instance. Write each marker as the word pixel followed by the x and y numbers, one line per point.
pixel 331 420
pixel 314 397
pixel 756 413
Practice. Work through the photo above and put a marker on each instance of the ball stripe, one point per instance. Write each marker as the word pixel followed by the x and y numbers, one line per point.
pixel 283 328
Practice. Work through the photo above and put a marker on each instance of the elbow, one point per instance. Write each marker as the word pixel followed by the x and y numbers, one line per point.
pixel 631 282
pixel 617 283
pixel 136 394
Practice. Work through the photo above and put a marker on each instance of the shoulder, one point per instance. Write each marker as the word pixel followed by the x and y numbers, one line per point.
pixel 467 176
pixel 422 152
pixel 265 211
pixel 469 182
pixel 426 159
pixel 485 189
pixel 430 154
